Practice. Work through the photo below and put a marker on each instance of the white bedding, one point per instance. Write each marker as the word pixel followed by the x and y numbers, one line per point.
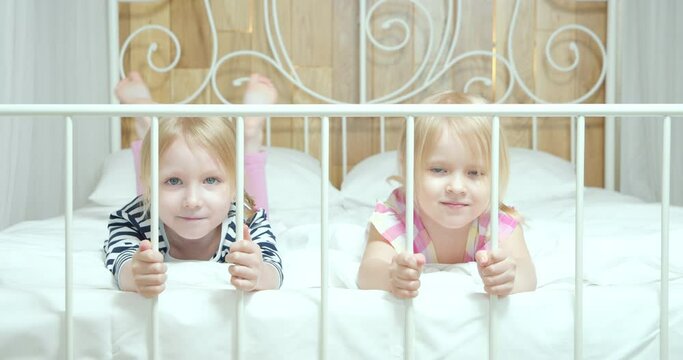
pixel 621 237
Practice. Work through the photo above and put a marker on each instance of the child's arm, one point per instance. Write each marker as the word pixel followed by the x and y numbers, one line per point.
pixel 509 269
pixel 382 268
pixel 249 271
pixel 145 273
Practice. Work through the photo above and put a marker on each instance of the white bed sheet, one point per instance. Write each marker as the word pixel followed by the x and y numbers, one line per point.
pixel 196 312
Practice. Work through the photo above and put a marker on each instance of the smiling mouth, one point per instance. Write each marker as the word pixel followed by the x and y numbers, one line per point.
pixel 190 218
pixel 455 205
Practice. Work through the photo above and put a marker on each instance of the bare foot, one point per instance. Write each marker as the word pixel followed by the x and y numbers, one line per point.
pixel 133 90
pixel 260 90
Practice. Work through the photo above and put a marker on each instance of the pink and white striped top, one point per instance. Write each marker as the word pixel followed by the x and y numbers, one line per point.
pixel 389 220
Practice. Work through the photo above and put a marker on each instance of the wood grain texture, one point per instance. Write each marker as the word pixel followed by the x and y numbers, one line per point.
pixel 322 36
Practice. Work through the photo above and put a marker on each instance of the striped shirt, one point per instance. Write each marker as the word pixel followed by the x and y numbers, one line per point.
pixel 130 225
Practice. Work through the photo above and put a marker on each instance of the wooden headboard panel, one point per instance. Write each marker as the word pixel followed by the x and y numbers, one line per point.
pixel 322 40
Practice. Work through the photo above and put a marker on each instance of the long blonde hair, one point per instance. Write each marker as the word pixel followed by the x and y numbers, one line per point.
pixel 475 131
pixel 214 134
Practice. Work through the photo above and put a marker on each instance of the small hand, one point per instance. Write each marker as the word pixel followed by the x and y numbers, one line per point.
pixel 405 273
pixel 149 270
pixel 497 271
pixel 246 263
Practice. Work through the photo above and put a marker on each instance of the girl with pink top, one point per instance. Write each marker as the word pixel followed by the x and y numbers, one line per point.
pixel 260 90
pixel 451 216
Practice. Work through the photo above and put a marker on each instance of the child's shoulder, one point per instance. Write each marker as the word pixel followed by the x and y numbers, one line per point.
pixel 509 214
pixel 253 216
pixel 508 219
pixel 395 203
pixel 133 206
pixel 505 218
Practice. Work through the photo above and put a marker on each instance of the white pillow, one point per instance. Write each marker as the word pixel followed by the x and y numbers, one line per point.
pixel 117 183
pixel 534 175
pixel 368 181
pixel 292 180
pixel 538 175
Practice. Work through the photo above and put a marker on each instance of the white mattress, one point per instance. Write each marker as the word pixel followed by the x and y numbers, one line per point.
pixel 621 300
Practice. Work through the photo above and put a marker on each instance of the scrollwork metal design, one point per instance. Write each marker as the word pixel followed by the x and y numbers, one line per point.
pixel 421 79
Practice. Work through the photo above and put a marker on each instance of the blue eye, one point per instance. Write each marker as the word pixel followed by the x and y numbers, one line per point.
pixel 174 181
pixel 475 173
pixel 211 180
pixel 437 170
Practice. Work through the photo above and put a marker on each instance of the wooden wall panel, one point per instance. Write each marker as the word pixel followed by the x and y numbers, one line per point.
pixel 345 72
pixel 476 33
pixel 311 42
pixel 234 68
pixel 281 131
pixel 190 23
pixel 322 37
pixel 127 124
pixel 518 131
pixel 592 16
pixel 186 81
pixel 233 15
pixel 140 15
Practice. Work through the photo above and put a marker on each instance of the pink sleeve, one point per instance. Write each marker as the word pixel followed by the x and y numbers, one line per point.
pixel 255 172
pixel 136 146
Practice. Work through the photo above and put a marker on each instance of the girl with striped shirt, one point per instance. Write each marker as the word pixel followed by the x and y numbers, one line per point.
pixel 197 213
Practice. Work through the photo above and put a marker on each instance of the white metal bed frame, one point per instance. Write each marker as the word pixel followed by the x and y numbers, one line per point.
pixel 442 62
pixel 666 111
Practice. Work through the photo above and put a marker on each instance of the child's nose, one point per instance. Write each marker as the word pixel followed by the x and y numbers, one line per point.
pixel 191 198
pixel 455 185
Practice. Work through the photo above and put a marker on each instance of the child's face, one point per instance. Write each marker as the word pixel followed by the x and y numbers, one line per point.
pixel 454 190
pixel 194 193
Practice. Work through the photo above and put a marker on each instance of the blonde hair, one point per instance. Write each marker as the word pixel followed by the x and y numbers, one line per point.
pixel 214 134
pixel 474 131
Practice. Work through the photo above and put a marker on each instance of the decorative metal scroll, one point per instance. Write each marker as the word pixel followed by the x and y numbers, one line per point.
pixel 435 63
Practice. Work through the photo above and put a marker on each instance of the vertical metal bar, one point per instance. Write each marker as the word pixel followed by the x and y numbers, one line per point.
pixel 610 156
pixel 664 297
pixel 239 234
pixel 154 224
pixel 410 182
pixel 572 140
pixel 382 145
pixel 534 133
pixel 494 50
pixel 578 276
pixel 493 225
pixel 345 155
pixel 306 134
pixel 324 251
pixel 268 131
pixel 362 48
pixel 610 93
pixel 113 34
pixel 68 246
